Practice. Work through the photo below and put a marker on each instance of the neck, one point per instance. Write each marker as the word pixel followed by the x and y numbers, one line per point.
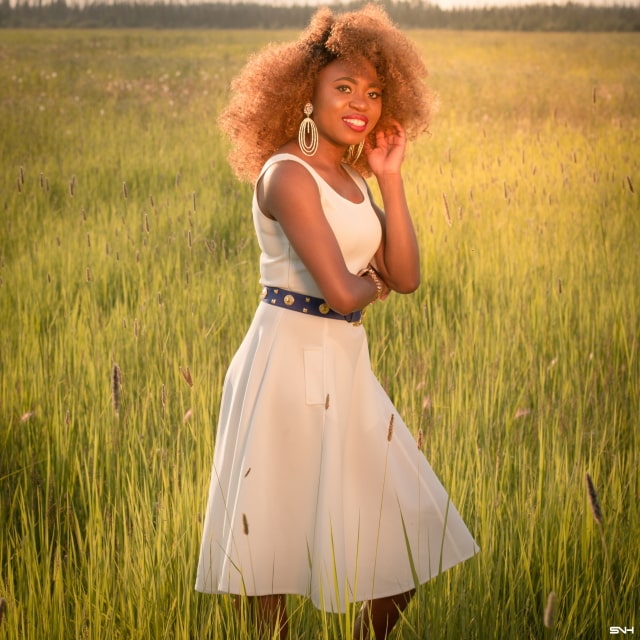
pixel 328 155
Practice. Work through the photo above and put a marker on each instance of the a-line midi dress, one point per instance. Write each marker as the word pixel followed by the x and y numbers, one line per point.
pixel 311 492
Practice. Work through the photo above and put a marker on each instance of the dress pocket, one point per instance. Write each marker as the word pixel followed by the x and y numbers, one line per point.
pixel 314 376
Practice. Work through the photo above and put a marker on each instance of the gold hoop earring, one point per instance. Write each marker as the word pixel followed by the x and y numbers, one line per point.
pixel 308 129
pixel 353 152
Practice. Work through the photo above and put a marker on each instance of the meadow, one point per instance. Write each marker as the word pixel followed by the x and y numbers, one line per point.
pixel 128 275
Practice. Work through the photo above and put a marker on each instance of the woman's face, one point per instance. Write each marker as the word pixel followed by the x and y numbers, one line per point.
pixel 347 101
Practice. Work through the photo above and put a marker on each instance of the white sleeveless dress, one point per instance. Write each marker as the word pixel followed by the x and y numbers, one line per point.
pixel 311 491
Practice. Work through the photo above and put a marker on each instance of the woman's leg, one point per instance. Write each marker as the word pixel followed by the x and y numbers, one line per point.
pixel 271 614
pixel 377 617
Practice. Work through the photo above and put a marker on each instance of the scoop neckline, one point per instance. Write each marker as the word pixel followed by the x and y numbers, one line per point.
pixel 317 174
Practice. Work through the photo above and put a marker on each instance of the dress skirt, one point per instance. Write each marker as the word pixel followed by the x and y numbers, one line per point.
pixel 318 487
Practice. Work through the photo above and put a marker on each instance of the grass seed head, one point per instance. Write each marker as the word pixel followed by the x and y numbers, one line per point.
pixel 447 215
pixel 245 524
pixel 390 429
pixel 186 374
pixel 3 609
pixel 550 611
pixel 593 500
pixel 116 387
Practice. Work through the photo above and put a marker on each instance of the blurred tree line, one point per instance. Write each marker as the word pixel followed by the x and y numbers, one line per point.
pixel 224 15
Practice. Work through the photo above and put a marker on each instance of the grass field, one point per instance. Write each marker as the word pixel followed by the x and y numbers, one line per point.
pixel 128 275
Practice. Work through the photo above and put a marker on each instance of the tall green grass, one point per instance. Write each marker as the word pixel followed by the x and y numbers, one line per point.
pixel 127 251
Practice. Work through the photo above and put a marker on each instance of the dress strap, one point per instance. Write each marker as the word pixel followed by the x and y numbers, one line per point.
pixel 280 157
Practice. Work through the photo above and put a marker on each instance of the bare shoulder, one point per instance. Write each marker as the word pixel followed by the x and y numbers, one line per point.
pixel 285 184
pixel 287 173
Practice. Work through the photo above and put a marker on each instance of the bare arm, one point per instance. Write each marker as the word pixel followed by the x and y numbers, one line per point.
pixel 289 194
pixel 398 258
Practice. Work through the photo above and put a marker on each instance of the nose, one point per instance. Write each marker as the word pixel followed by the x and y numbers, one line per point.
pixel 358 101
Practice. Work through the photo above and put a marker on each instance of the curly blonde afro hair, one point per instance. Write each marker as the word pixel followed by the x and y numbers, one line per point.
pixel 269 94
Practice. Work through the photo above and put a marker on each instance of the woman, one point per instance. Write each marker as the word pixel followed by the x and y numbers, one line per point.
pixel 317 486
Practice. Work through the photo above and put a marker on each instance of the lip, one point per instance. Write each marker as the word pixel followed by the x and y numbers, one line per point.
pixel 357 122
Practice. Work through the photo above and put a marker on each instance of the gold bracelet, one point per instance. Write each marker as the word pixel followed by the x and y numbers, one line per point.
pixel 373 274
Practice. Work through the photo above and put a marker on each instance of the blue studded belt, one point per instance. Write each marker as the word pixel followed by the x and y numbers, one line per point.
pixel 305 304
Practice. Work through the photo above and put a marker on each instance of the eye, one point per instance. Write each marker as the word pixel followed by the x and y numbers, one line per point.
pixel 375 95
pixel 344 88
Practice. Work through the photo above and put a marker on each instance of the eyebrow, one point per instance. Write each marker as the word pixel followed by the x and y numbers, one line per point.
pixel 377 85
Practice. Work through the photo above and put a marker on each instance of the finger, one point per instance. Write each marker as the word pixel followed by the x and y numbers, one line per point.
pixel 398 128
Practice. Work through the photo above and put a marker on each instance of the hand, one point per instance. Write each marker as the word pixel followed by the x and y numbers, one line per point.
pixel 385 292
pixel 388 154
